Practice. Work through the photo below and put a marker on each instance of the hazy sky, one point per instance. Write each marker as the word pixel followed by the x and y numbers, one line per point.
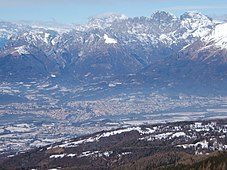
pixel 78 11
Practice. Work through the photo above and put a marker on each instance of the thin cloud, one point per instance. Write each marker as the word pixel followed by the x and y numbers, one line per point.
pixel 43 3
pixel 33 3
pixel 198 7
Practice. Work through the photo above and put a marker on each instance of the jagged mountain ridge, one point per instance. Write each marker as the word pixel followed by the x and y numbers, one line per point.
pixel 109 45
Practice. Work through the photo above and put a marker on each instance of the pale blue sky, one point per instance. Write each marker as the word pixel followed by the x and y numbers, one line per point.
pixel 78 11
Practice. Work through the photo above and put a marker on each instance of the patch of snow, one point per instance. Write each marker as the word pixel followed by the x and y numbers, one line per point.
pixel 109 40
pixel 126 153
pixel 163 135
pixel 88 153
pixel 198 124
pixel 222 137
pixel 57 156
pixel 198 153
pixel 46 37
pixel 204 145
pixel 21 50
pixel 88 74
pixel 198 127
pixel 76 143
pixel 54 41
pixel 112 85
pixel 81 53
pixel 178 134
pixel 71 155
pixel 107 153
pixel 53 75
pixel 95 154
pixel 148 131
pixel 53 87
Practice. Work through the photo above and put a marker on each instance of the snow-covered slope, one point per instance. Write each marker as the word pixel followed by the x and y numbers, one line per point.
pixel 129 146
pixel 218 36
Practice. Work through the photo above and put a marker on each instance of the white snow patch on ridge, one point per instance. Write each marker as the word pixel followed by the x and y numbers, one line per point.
pixel 46 37
pixel 109 40
pixel 178 134
pixel 62 156
pixel 203 144
pixel 21 50
pixel 95 154
pixel 163 135
pixel 53 75
pixel 71 155
pixel 107 134
pixel 68 144
pixel 57 156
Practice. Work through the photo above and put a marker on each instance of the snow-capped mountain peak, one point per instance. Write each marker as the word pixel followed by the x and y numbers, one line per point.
pixel 218 36
pixel 193 20
pixel 197 24
pixel 194 15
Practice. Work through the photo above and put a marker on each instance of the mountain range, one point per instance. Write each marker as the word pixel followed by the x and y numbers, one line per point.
pixel 161 47
pixel 114 72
